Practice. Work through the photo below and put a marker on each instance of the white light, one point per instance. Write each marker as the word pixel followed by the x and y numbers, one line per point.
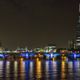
pixel 78 37
pixel 78 44
pixel 78 40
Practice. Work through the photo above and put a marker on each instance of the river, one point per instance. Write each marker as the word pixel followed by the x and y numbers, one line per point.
pixel 39 70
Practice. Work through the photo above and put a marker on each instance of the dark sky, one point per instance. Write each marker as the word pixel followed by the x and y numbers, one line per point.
pixel 35 23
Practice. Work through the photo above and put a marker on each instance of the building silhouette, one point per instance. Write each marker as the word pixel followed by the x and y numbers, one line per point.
pixel 77 41
pixel 71 44
pixel 1 47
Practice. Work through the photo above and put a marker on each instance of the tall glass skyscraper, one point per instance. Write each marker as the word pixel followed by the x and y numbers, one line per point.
pixel 78 31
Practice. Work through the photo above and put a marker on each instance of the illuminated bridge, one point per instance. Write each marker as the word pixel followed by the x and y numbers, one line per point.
pixel 32 55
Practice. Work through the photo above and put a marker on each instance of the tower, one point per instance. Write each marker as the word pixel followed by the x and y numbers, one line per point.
pixel 78 31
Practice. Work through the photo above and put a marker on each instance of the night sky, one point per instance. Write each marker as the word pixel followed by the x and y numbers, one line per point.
pixel 35 23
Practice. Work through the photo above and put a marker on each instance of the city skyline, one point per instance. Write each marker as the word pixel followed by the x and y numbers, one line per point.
pixel 37 23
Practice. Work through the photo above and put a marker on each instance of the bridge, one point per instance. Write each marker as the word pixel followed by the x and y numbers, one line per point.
pixel 32 55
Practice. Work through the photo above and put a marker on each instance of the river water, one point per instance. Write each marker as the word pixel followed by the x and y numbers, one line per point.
pixel 39 70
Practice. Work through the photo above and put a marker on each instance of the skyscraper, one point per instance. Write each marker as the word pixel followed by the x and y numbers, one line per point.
pixel 78 31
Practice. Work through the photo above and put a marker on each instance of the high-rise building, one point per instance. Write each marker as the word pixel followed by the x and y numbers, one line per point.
pixel 71 44
pixel 78 31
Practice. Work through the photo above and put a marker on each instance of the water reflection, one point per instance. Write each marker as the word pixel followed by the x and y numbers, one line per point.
pixel 47 69
pixel 21 69
pixel 31 73
pixel 27 68
pixel 74 70
pixel 63 70
pixel 15 69
pixel 54 65
pixel 39 70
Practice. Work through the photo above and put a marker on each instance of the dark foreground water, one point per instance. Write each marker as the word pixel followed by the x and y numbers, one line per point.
pixel 39 70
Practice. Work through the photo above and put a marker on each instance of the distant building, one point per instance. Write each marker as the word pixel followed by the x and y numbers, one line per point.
pixel 50 47
pixel 1 48
pixel 71 44
pixel 22 49
pixel 38 50
pixel 77 41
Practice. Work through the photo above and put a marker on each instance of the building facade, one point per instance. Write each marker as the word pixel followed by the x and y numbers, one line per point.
pixel 78 31
pixel 50 47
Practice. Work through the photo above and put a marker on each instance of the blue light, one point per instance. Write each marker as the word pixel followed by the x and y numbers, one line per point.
pixel 74 55
pixel 1 55
pixel 22 55
pixel 78 55
pixel 51 55
pixel 56 54
pixel 27 55
pixel 31 54
pixel 47 55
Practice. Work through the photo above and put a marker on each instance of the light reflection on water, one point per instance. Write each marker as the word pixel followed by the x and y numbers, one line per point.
pixel 74 70
pixel 39 70
pixel 63 70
